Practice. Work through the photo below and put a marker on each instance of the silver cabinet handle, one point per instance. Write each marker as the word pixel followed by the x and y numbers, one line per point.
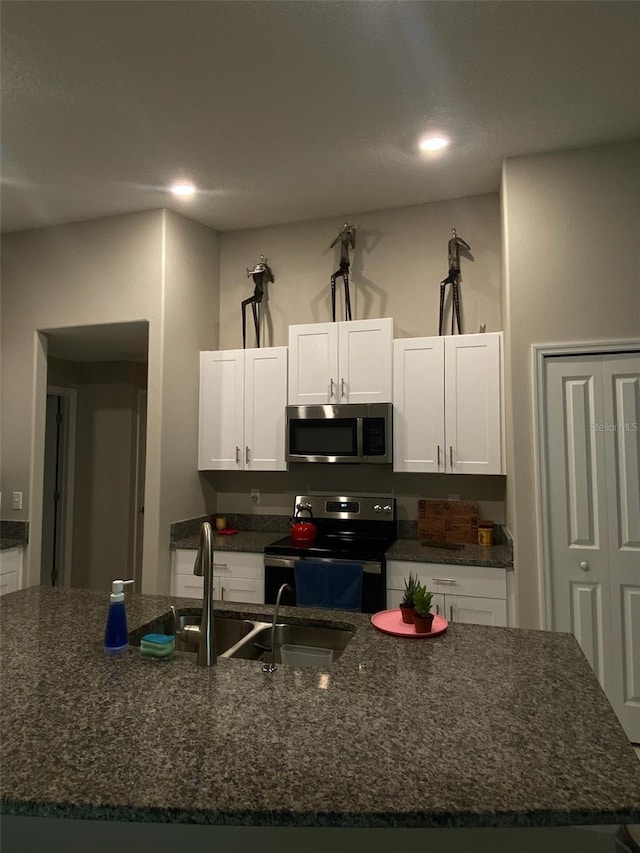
pixel 451 455
pixel 246 454
pixel 237 455
pixel 584 565
pixel 220 565
pixel 451 613
pixel 438 609
pixel 438 456
pixel 332 394
pixel 222 593
pixel 450 581
pixel 342 384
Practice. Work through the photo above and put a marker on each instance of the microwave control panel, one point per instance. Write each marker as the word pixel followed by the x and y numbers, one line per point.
pixel 374 437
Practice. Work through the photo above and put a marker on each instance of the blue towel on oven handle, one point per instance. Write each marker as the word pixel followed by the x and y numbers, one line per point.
pixel 332 586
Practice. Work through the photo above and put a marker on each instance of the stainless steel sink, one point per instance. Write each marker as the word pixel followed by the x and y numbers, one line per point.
pixel 228 631
pixel 258 645
pixel 246 639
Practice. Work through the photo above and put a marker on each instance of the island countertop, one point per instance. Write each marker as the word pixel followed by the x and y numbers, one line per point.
pixel 485 727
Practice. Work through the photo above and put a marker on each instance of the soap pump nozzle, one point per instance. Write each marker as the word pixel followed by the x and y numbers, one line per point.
pixel 117 590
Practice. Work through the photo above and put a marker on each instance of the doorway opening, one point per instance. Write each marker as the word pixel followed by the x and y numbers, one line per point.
pixel 95 455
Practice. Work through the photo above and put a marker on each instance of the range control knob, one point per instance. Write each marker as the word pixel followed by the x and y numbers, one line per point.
pixel 584 566
pixel 387 509
pixel 377 508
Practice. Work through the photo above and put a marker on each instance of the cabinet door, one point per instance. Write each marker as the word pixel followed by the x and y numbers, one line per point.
pixel 192 586
pixel 8 582
pixel 265 400
pixel 418 405
pixel 473 403
pixel 221 410
pixel 313 364
pixel 242 589
pixel 475 610
pixel 365 353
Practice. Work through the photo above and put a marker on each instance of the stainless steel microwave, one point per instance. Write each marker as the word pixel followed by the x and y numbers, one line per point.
pixel 350 432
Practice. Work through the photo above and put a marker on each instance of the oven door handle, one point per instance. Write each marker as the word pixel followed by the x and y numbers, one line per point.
pixel 272 561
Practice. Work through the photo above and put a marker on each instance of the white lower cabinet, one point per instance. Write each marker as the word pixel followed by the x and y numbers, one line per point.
pixel 237 576
pixel 10 570
pixel 473 594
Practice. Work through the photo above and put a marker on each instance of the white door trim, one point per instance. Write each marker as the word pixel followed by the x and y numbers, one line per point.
pixel 539 354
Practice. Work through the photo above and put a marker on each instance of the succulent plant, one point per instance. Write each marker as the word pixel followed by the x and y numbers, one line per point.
pixel 422 600
pixel 411 584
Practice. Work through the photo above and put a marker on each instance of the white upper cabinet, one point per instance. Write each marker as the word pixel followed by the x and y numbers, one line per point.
pixel 418 405
pixel 243 394
pixel 473 403
pixel 345 362
pixel 448 404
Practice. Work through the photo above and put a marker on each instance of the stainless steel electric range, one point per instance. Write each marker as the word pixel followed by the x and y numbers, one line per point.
pixel 350 530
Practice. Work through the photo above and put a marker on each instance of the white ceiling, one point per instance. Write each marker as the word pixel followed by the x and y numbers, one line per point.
pixel 284 111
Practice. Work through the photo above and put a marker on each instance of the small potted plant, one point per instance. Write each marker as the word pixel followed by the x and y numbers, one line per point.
pixel 422 617
pixel 407 605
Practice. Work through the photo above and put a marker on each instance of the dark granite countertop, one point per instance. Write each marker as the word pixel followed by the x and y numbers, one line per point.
pixel 6 542
pixel 245 540
pixel 510 727
pixel 498 556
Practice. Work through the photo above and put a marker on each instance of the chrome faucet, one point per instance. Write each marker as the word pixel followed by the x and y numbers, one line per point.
pixel 283 588
pixel 207 655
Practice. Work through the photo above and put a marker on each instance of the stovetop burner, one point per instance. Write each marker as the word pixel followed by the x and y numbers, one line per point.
pixel 348 527
pixel 332 546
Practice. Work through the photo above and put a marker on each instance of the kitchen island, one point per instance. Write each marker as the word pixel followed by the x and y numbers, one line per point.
pixel 480 727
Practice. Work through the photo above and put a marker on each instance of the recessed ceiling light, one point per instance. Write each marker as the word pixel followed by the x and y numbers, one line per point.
pixel 433 143
pixel 182 189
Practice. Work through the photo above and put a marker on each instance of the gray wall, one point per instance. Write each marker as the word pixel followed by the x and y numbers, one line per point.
pixel 399 261
pixel 154 266
pixel 571 242
pixel 396 269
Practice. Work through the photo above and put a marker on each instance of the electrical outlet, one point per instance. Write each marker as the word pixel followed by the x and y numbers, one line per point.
pixel 17 500
pixel 255 496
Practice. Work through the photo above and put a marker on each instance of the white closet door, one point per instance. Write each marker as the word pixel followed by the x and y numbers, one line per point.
pixel 593 491
pixel 580 597
pixel 621 430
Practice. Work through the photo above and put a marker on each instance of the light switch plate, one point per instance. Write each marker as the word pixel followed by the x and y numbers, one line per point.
pixel 17 500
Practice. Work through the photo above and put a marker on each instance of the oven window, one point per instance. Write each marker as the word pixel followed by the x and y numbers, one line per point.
pixel 323 437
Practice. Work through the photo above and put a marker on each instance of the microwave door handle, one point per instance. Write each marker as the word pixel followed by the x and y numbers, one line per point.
pixel 360 437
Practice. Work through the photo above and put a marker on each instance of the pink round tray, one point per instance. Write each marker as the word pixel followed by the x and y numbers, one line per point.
pixel 390 621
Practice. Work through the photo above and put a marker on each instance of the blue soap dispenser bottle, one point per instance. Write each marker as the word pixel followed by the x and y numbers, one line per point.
pixel 116 635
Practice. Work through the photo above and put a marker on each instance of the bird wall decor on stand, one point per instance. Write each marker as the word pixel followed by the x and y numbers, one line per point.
pixel 261 274
pixel 347 238
pixel 453 278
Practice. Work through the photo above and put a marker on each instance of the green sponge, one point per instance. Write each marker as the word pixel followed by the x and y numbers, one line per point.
pixel 157 645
